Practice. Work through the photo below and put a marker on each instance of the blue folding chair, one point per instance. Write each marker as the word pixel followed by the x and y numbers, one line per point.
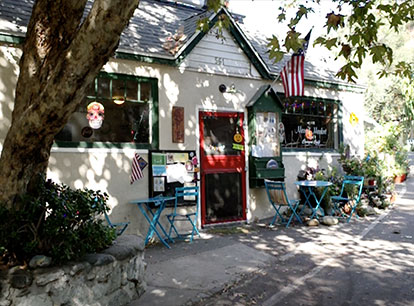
pixel 184 196
pixel 119 227
pixel 276 192
pixel 348 196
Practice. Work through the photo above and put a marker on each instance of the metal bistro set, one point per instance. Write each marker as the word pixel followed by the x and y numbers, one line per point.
pixel 276 192
pixel 152 208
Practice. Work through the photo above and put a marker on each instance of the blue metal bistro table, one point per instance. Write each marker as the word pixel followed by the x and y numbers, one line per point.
pixel 148 205
pixel 308 189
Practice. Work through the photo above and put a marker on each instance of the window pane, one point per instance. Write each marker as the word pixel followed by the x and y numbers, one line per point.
pixel 223 199
pixel 118 88
pixel 103 88
pixel 218 135
pixel 90 90
pixel 321 108
pixel 307 132
pixel 106 121
pixel 145 91
pixel 131 90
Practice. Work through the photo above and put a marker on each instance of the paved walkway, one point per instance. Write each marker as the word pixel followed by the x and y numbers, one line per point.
pixel 219 268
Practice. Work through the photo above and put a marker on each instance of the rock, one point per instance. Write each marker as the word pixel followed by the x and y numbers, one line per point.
pixel 40 261
pixel 369 210
pixel 99 259
pixel 44 279
pixel 313 222
pixel 125 247
pixel 78 267
pixel 329 220
pixel 41 299
pixel 307 211
pixel 20 278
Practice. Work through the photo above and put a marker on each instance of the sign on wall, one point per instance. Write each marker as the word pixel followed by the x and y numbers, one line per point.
pixel 177 124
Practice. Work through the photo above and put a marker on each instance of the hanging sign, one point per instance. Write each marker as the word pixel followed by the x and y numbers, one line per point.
pixel 238 138
pixel 238 147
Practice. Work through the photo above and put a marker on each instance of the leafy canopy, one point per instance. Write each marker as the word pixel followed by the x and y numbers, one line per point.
pixel 351 28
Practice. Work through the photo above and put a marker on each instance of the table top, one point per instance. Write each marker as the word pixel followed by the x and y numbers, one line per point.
pixel 313 183
pixel 152 200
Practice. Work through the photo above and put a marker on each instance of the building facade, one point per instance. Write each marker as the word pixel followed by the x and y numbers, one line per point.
pixel 180 99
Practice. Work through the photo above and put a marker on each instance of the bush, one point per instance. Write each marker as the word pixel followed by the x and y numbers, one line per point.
pixel 55 221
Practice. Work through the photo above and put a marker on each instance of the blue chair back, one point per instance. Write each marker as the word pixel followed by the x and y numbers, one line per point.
pixel 352 180
pixel 186 196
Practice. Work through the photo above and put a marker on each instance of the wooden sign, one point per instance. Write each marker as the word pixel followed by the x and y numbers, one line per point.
pixel 178 124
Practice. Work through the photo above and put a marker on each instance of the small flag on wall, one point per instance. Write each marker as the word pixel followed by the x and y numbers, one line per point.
pixel 293 74
pixel 138 165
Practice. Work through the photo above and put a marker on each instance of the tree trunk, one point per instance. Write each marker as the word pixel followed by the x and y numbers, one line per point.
pixel 61 56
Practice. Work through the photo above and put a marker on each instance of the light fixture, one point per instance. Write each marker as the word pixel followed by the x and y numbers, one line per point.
pixel 118 100
pixel 222 88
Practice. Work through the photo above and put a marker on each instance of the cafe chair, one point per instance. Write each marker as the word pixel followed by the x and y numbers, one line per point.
pixel 350 194
pixel 119 227
pixel 276 192
pixel 184 196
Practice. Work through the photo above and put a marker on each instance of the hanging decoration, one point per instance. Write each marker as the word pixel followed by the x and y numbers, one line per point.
pixel 138 165
pixel 95 115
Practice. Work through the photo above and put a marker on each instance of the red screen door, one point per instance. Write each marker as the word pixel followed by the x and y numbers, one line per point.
pixel 223 175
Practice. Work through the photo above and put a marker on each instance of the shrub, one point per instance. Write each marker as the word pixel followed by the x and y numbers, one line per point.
pixel 55 221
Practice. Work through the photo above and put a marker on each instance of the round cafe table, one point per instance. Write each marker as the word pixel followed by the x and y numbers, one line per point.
pixel 308 189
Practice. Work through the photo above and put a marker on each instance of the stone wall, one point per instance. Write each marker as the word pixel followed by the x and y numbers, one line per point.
pixel 113 277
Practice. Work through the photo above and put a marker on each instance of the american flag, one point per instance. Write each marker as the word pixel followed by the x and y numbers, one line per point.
pixel 136 171
pixel 292 75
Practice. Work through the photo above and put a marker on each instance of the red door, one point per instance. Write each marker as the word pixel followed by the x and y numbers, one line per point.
pixel 223 175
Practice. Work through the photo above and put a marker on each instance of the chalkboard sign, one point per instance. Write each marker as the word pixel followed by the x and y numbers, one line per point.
pixel 171 169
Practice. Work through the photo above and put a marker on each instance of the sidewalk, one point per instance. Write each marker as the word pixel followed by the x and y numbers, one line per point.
pixel 188 273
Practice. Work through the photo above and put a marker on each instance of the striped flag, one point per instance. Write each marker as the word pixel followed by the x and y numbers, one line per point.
pixel 136 171
pixel 293 74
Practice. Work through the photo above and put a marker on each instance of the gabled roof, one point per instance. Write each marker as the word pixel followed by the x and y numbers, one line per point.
pixel 155 22
pixel 265 90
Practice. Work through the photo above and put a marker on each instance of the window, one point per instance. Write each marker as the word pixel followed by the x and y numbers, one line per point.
pixel 309 123
pixel 117 109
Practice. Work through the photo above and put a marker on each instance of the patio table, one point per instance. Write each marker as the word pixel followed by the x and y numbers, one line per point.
pixel 148 205
pixel 308 189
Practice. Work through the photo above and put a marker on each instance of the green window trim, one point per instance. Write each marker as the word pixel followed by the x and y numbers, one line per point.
pixel 154 124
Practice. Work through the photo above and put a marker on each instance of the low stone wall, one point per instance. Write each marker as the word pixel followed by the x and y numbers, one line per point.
pixel 113 277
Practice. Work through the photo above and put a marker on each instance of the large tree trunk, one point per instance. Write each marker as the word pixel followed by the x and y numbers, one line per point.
pixel 61 57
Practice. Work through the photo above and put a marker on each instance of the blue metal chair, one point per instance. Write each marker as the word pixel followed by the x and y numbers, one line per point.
pixel 119 227
pixel 184 196
pixel 276 192
pixel 348 196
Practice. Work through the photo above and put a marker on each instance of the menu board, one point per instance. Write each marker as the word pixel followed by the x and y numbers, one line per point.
pixel 171 169
pixel 267 135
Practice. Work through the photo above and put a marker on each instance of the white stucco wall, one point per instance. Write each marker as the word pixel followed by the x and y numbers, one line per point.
pixel 109 169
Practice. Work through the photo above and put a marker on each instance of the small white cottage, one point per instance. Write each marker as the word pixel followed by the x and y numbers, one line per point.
pixel 197 108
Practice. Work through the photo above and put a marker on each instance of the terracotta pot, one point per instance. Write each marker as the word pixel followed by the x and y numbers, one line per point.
pixel 399 178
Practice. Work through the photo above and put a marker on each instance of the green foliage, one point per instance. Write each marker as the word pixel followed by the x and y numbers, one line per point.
pixel 356 35
pixel 55 221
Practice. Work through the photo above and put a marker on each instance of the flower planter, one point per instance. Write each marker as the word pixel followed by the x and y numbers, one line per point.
pixel 400 178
